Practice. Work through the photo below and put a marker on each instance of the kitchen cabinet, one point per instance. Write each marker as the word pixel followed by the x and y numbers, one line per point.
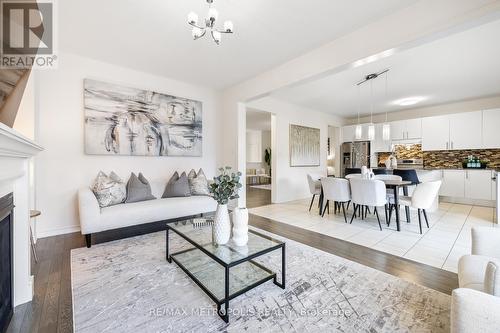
pixel 491 129
pixel 348 133
pixel 453 184
pixel 478 184
pixel 398 130
pixel 466 130
pixel 414 128
pixel 435 133
pixel 494 188
pixel 254 146
pixel 379 144
pixel 406 129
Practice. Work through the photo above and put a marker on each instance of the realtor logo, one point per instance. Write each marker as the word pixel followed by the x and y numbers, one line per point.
pixel 27 34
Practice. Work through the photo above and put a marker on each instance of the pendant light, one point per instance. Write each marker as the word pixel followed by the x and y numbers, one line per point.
pixel 386 128
pixel 358 133
pixel 371 126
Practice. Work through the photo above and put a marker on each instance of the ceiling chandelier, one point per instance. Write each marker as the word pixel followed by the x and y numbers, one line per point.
pixel 199 31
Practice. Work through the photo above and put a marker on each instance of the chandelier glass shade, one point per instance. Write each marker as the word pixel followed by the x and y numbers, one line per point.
pixel 199 30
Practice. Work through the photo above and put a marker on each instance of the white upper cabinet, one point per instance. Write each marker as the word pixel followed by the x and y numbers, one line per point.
pixel 414 128
pixel 398 130
pixel 254 146
pixel 491 128
pixel 406 129
pixel 465 130
pixel 436 133
pixel 348 133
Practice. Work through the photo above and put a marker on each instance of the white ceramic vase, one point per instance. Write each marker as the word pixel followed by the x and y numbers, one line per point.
pixel 222 225
pixel 240 226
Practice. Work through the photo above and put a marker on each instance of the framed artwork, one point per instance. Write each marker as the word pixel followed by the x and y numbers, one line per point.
pixel 136 122
pixel 304 146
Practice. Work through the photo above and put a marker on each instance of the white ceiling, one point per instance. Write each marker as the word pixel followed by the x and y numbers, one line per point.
pixel 462 66
pixel 257 120
pixel 153 36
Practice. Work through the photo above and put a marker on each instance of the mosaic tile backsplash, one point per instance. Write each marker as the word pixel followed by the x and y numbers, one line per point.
pixel 442 159
pixel 449 159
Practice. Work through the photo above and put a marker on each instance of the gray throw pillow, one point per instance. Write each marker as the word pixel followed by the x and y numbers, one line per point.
pixel 198 184
pixel 138 189
pixel 109 190
pixel 177 186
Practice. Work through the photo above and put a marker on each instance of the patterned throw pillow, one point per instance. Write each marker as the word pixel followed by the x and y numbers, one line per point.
pixel 177 186
pixel 198 183
pixel 109 190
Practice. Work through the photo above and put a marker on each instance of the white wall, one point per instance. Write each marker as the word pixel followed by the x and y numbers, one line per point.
pixel 290 183
pixel 63 168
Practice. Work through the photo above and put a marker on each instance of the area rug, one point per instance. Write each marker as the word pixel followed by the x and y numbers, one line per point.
pixel 128 286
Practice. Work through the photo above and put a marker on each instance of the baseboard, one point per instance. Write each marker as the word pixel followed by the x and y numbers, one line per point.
pixel 465 201
pixel 58 231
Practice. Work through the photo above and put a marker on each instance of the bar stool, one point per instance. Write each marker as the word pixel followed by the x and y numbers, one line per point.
pixel 33 214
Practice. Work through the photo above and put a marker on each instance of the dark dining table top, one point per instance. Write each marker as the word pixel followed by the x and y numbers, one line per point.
pixel 396 182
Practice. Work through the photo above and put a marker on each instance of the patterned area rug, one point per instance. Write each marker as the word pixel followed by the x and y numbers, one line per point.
pixel 127 286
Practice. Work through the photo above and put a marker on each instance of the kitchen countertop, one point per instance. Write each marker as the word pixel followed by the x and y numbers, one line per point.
pixel 458 168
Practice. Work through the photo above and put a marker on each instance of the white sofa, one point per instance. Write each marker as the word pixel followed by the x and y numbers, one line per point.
pixel 94 219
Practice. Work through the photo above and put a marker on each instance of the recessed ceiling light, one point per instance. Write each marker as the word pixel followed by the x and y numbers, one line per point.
pixel 409 101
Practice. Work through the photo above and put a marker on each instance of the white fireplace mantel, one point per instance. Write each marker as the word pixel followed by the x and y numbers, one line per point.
pixel 15 153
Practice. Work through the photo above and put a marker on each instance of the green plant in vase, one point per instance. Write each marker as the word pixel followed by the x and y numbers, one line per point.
pixel 225 187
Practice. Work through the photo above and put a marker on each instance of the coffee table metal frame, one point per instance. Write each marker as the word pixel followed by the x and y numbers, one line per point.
pixel 223 312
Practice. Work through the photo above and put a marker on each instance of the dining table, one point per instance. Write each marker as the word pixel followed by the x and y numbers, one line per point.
pixel 395 185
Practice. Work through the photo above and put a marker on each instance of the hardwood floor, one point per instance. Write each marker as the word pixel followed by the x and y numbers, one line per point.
pixel 257 197
pixel 51 308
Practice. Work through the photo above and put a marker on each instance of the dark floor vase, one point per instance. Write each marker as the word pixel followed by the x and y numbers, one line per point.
pixel 5 261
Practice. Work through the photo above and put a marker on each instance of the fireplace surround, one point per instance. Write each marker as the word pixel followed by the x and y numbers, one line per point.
pixel 6 260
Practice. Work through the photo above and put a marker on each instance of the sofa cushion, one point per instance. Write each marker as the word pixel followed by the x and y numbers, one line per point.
pixel 177 186
pixel 109 190
pixel 198 184
pixel 138 189
pixel 128 214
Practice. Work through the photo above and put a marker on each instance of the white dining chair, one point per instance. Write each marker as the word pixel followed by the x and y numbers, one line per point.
pixel 314 187
pixel 366 193
pixel 422 198
pixel 336 190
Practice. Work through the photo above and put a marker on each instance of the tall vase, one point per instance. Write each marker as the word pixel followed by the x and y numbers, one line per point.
pixel 240 226
pixel 222 225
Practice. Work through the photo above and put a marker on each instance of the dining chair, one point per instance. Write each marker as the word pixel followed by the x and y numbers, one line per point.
pixel 314 187
pixel 390 194
pixel 365 193
pixel 353 175
pixel 381 171
pixel 422 198
pixel 349 171
pixel 336 190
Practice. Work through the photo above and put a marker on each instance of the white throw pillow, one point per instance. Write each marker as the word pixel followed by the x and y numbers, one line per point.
pixel 109 190
pixel 198 183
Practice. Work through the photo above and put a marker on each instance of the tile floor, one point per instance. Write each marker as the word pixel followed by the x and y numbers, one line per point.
pixel 447 239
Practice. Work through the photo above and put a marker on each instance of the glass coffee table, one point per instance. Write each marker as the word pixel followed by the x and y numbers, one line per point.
pixel 226 271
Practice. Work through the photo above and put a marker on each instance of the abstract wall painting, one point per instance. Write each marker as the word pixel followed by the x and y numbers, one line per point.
pixel 304 146
pixel 136 122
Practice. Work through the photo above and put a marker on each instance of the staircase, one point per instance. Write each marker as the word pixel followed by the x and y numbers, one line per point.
pixel 12 84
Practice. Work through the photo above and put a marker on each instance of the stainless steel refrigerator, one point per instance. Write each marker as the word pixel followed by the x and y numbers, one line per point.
pixel 354 155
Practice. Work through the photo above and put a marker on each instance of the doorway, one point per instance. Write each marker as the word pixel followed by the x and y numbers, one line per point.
pixel 259 173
